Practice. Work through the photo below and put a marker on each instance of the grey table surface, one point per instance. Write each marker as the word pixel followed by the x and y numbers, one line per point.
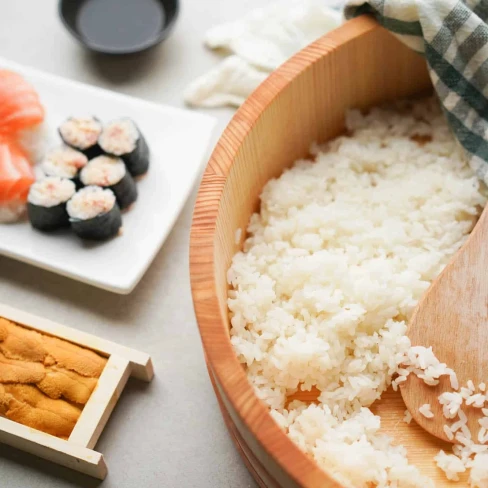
pixel 168 433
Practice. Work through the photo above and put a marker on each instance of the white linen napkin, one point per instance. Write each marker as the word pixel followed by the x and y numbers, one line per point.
pixel 259 43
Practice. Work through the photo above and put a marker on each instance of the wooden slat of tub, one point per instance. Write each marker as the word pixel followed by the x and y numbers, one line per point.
pixel 259 472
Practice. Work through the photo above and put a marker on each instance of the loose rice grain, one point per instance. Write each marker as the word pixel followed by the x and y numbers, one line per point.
pixel 426 411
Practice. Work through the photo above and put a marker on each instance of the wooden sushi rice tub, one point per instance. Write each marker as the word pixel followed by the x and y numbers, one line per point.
pixel 303 101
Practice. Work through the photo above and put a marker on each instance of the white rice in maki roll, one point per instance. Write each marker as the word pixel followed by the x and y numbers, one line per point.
pixel 46 203
pixel 123 139
pixel 110 172
pixel 82 133
pixel 65 162
pixel 94 213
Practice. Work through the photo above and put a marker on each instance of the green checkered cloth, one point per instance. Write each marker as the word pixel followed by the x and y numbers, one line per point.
pixel 453 37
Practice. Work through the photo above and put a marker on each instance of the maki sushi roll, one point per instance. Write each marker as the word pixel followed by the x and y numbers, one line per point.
pixel 46 203
pixel 65 162
pixel 82 133
pixel 110 172
pixel 123 139
pixel 94 213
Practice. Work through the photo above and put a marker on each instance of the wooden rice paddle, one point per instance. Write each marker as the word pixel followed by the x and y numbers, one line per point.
pixel 452 317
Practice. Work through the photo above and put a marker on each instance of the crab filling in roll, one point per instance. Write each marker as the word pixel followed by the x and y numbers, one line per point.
pixel 103 171
pixel 119 137
pixel 110 172
pixel 46 202
pixel 82 134
pixel 64 162
pixel 90 202
pixel 123 139
pixel 94 213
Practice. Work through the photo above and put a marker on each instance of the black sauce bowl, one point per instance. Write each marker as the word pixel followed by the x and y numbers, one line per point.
pixel 85 20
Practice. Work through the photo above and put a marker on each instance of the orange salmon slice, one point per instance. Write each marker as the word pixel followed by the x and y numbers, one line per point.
pixel 16 173
pixel 20 107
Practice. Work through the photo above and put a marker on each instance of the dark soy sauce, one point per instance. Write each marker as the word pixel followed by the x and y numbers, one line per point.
pixel 120 24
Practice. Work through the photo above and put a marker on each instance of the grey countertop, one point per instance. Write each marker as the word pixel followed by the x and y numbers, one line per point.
pixel 168 433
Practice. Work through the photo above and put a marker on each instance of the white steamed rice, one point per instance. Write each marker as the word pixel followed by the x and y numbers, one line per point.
pixel 90 202
pixel 63 161
pixel 334 263
pixel 103 171
pixel 81 132
pixel 119 137
pixel 51 191
pixel 12 211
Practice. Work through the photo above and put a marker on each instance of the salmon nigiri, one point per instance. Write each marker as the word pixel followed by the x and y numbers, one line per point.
pixel 16 177
pixel 20 107
pixel 21 117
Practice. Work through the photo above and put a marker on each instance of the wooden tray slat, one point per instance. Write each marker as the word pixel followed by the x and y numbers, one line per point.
pixel 102 401
pixel 52 448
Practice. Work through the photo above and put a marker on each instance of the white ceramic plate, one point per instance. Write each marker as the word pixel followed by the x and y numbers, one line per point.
pixel 178 140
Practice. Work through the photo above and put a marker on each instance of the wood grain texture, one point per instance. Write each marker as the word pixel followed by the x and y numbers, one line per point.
pixel 358 65
pixel 52 449
pixel 102 401
pixel 452 317
pixel 258 471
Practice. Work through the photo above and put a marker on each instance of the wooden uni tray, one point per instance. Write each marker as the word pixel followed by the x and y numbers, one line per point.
pixel 77 452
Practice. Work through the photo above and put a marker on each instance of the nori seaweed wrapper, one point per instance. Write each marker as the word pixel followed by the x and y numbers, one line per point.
pixel 48 218
pixel 137 161
pixel 99 228
pixel 90 152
